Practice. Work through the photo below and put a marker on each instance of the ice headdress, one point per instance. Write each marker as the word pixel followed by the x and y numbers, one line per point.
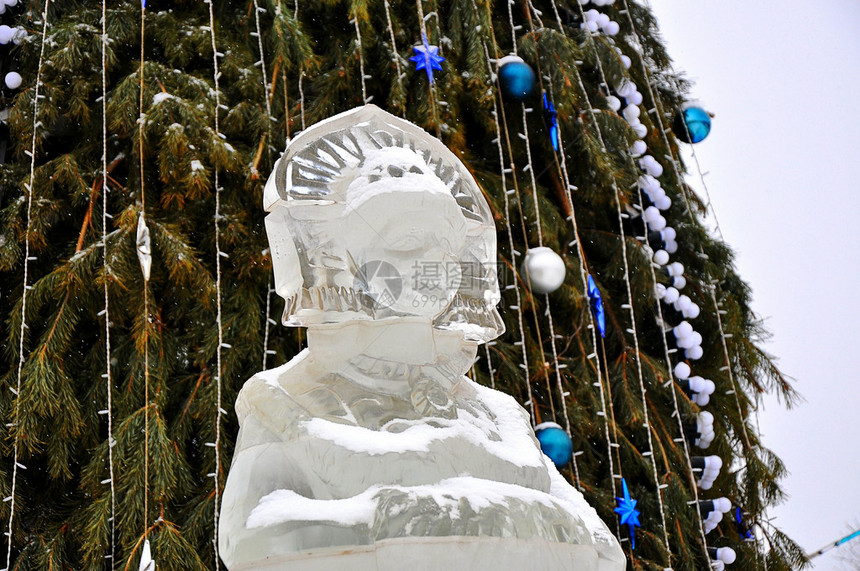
pixel 370 217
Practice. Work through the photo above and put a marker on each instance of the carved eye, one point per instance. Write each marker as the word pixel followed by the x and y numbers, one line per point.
pixel 395 171
pixel 415 170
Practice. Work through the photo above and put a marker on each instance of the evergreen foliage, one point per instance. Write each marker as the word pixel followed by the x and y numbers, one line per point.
pixel 313 66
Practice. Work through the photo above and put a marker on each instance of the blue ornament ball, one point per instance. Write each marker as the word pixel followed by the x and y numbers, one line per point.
pixel 555 443
pixel 516 78
pixel 692 124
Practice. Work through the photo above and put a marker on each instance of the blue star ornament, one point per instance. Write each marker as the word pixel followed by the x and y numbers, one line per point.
pixel 597 306
pixel 551 117
pixel 629 514
pixel 427 58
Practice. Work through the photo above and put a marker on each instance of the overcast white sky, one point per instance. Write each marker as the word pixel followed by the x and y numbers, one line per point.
pixel 783 77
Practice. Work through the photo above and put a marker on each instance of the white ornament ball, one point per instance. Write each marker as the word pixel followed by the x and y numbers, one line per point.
pixel 675 269
pixel 663 202
pixel 686 343
pixel 671 295
pixel 726 554
pixel 543 270
pixel 13 80
pixel 705 418
pixel 6 34
pixel 672 247
pixel 683 329
pixel 682 371
pixel 683 303
pixel 2 9
pixel 638 147
pixel 591 26
pixel 694 353
pixel 660 290
pixel 635 98
pixel 626 61
pixel 661 257
pixel 631 111
pixel 10 3
pixel 640 130
pixel 611 28
pixel 650 214
pixel 693 312
pixel 613 103
pixel 658 224
pixel 724 505
pixel 626 88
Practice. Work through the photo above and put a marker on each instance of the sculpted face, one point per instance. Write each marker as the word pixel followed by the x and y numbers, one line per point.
pixel 402 234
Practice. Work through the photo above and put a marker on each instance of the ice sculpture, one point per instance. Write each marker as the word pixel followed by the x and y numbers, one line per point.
pixel 371 450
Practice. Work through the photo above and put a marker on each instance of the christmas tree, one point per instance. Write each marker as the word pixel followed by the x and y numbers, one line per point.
pixel 137 282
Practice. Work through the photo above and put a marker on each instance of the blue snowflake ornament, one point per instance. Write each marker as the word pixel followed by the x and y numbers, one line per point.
pixel 427 58
pixel 551 117
pixel 743 529
pixel 597 306
pixel 629 514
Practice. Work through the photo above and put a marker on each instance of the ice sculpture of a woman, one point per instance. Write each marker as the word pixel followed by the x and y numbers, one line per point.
pixel 371 450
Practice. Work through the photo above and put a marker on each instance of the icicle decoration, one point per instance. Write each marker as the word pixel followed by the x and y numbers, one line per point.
pixel 606 411
pixel 653 169
pixel 395 55
pixel 29 188
pixel 360 57
pixel 515 285
pixel 107 273
pixel 264 74
pixel 530 168
pixel 710 286
pixel 302 95
pixel 216 75
pixel 649 452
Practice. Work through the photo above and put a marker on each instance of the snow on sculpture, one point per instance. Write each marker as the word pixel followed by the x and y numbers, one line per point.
pixel 370 450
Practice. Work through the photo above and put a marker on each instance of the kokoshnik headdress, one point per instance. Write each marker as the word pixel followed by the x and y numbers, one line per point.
pixel 309 193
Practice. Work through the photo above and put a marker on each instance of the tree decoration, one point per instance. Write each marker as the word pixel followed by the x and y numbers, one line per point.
pixel 146 561
pixel 13 80
pixel 712 511
pixel 294 60
pixel 543 270
pixel 516 78
pixel 741 525
pixel 724 555
pixel 144 247
pixel 427 58
pixel 692 124
pixel 555 443
pixel 551 117
pixel 596 303
pixel 628 513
